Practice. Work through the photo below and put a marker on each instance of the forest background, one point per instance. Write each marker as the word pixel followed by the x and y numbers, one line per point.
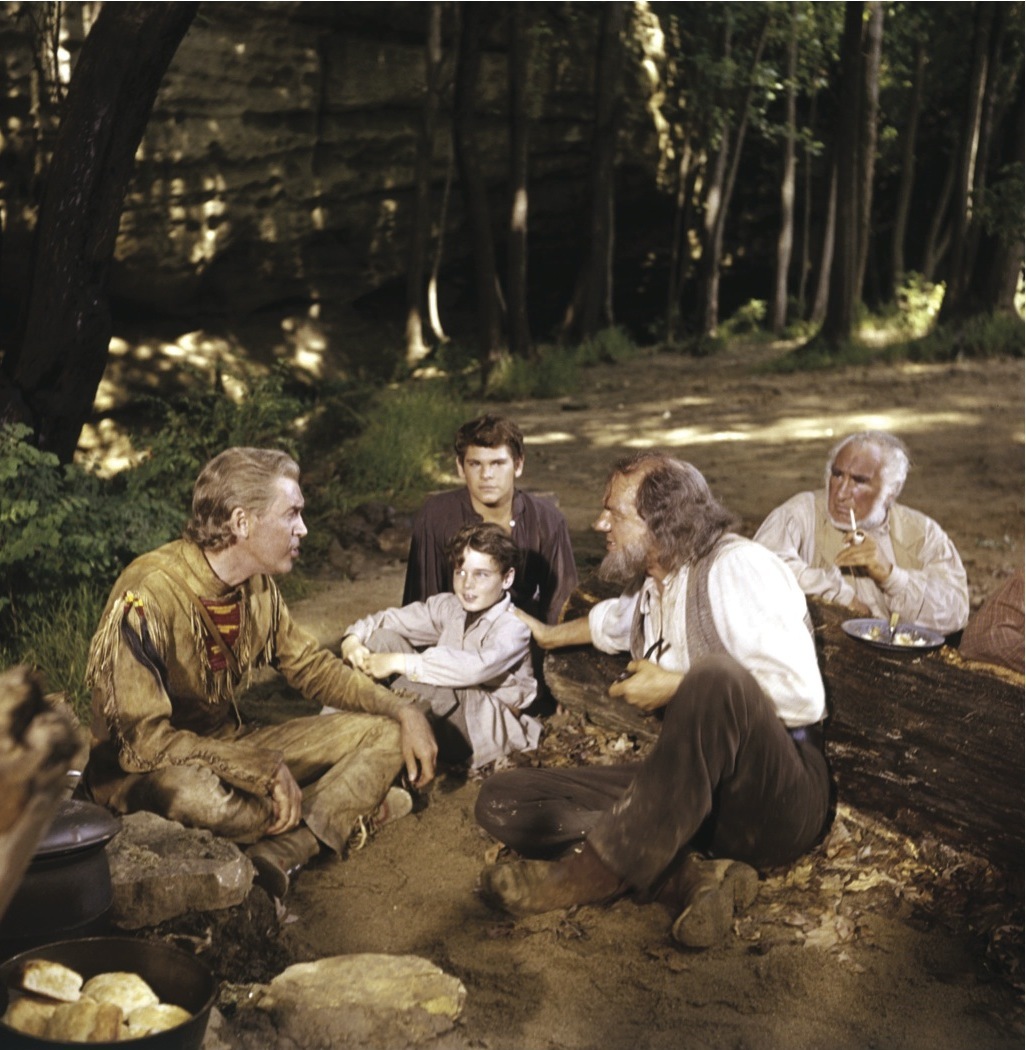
pixel 330 227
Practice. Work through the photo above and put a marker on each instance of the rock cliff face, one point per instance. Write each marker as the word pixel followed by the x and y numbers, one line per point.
pixel 278 163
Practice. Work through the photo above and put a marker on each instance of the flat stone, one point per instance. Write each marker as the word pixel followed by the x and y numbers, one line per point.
pixel 369 1000
pixel 160 869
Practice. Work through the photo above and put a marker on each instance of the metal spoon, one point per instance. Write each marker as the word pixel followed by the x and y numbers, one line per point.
pixel 893 627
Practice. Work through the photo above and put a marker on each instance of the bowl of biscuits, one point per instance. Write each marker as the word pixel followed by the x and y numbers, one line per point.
pixel 105 991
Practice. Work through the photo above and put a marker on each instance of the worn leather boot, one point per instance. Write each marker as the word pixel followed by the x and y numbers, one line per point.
pixel 711 892
pixel 278 859
pixel 530 887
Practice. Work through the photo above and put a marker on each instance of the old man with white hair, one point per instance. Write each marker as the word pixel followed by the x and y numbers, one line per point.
pixel 852 543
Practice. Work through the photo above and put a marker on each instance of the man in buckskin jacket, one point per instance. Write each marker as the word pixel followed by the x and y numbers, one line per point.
pixel 183 628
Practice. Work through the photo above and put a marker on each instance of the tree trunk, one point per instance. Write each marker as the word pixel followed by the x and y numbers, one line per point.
pixel 868 138
pixel 806 267
pixel 981 262
pixel 826 259
pixel 785 239
pixel 592 305
pixel 839 321
pixel 908 171
pixel 938 237
pixel 519 74
pixel 957 269
pixel 678 243
pixel 712 253
pixel 930 741
pixel 59 361
pixel 420 222
pixel 475 193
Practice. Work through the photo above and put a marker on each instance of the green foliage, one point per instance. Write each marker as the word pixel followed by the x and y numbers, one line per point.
pixel 192 428
pixel 552 373
pixel 64 536
pixel 61 527
pixel 980 337
pixel 916 304
pixel 748 320
pixel 58 646
pixel 606 347
pixel 460 364
pixel 396 451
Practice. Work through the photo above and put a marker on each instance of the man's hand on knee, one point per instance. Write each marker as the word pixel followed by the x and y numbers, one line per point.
pixel 419 747
pixel 287 799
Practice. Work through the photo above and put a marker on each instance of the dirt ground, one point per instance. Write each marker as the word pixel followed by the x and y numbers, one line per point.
pixel 873 942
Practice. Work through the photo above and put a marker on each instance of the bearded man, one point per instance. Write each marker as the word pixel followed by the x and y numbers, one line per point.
pixel 718 632
pixel 853 544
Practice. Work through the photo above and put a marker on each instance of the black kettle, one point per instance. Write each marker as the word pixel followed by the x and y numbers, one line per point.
pixel 66 890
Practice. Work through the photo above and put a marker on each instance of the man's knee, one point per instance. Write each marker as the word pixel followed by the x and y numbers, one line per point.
pixel 351 731
pixel 716 691
pixel 196 797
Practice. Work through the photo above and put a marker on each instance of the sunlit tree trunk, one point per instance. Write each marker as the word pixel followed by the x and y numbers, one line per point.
pixel 839 320
pixel 519 71
pixel 785 239
pixel 678 242
pixel 420 224
pixel 592 305
pixel 436 263
pixel 908 170
pixel 56 367
pixel 475 193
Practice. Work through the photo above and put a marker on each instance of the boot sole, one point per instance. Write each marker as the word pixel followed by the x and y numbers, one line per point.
pixel 708 918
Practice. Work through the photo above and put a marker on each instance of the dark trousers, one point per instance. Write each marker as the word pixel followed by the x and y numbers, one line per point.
pixel 725 776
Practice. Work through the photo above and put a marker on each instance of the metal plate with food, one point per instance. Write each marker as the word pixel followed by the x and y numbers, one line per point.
pixel 906 637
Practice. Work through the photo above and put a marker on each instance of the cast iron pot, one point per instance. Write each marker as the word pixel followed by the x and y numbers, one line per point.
pixel 174 975
pixel 66 890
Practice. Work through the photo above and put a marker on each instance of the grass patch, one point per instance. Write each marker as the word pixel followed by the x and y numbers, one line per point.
pixel 57 645
pixel 397 450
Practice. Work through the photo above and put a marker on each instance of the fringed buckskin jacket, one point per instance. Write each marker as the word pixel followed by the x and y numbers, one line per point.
pixel 163 692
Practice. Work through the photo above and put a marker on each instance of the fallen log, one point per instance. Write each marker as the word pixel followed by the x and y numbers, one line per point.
pixel 927 740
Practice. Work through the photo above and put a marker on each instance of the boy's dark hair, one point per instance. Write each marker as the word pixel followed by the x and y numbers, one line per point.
pixel 490 432
pixel 487 538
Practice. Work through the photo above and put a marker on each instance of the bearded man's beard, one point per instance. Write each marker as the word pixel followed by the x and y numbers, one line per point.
pixel 624 564
pixel 873 520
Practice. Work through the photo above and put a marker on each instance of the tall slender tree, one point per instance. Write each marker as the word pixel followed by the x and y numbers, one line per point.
pixel 785 238
pixel 519 78
pixel 728 160
pixel 420 223
pixel 50 376
pixel 839 319
pixel 475 193
pixel 592 305
pixel 908 165
pixel 868 132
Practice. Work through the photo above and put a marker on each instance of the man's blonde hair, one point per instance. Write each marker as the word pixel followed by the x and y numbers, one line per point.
pixel 237 477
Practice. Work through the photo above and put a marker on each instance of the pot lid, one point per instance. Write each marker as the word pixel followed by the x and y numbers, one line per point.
pixel 78 825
